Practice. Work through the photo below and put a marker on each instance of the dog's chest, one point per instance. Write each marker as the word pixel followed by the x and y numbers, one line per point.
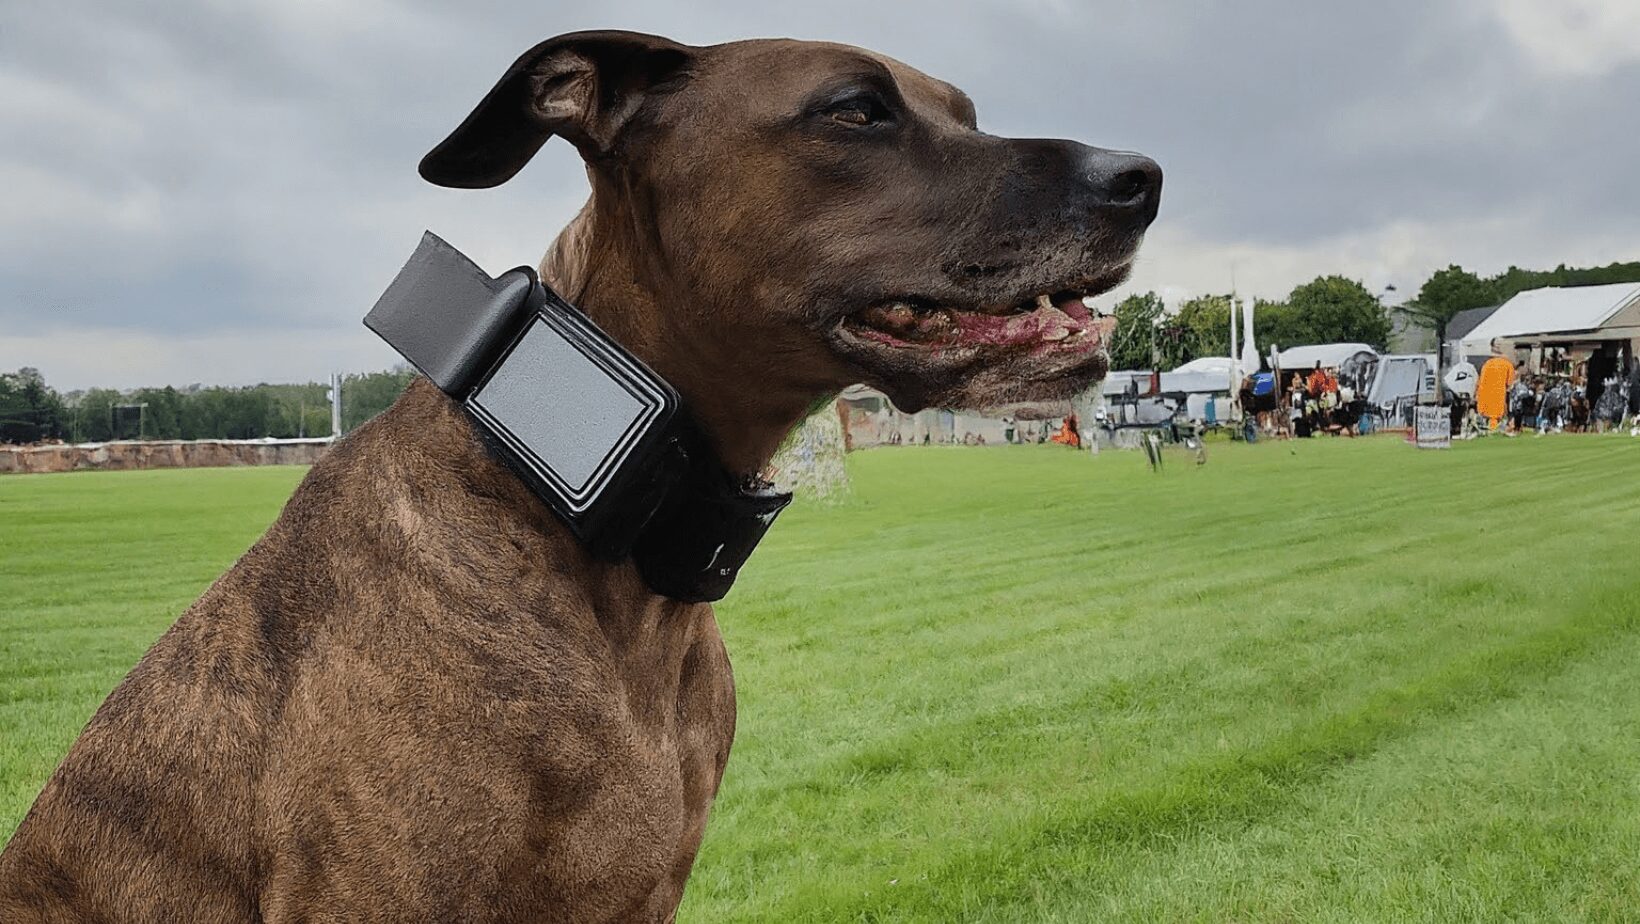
pixel 556 772
pixel 624 771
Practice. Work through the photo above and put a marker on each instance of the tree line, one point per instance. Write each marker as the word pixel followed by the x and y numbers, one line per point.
pixel 1328 309
pixel 32 411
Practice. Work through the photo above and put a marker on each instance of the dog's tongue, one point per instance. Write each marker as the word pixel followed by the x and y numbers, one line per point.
pixel 1102 324
pixel 1044 325
pixel 1052 323
pixel 1073 306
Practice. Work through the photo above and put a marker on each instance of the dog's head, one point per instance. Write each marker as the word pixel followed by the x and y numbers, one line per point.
pixel 831 210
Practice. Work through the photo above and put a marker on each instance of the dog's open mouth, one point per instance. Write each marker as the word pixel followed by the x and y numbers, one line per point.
pixel 1059 322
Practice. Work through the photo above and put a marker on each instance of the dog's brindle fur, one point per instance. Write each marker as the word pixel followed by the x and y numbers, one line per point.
pixel 416 698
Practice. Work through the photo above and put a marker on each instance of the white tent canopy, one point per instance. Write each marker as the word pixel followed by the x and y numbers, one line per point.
pixel 1218 365
pixel 1329 355
pixel 1610 312
pixel 1178 382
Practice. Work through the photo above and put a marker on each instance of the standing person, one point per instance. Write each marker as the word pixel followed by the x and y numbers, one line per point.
pixel 1265 399
pixel 1520 398
pixel 1520 404
pixel 1316 386
pixel 1492 392
pixel 1301 407
pixel 1244 398
pixel 1318 381
pixel 1634 389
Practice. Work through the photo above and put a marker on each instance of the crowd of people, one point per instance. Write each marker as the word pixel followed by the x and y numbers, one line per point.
pixel 1504 396
pixel 1309 404
pixel 1511 398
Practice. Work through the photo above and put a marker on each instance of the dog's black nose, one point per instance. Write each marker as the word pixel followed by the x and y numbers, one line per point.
pixel 1121 181
pixel 1092 186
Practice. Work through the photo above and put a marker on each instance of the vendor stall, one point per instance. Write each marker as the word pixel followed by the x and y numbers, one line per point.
pixel 1585 337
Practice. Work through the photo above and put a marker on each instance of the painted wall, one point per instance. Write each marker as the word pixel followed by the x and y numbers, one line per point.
pixel 158 454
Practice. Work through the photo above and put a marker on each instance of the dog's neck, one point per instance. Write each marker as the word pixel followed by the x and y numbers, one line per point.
pixel 725 385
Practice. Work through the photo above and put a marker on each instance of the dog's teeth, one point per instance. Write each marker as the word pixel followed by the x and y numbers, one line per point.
pixel 1044 301
pixel 896 317
pixel 935 322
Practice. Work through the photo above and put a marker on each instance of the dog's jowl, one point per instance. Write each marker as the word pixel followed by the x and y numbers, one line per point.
pixel 417 698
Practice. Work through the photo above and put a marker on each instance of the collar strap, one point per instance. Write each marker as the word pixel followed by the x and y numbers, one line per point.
pixel 595 433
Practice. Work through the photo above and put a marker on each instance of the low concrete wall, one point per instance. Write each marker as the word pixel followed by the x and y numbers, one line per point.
pixel 159 454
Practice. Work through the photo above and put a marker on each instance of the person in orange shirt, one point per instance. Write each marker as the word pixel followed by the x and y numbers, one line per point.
pixel 1068 435
pixel 1318 381
pixel 1492 390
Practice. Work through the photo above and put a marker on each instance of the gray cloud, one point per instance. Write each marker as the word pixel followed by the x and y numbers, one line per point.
pixel 199 190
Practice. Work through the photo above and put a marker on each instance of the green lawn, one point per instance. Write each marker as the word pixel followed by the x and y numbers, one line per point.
pixel 1334 681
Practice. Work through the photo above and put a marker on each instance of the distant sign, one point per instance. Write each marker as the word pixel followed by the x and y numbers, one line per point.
pixel 1432 428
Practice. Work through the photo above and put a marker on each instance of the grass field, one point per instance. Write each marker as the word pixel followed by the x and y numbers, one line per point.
pixel 1339 681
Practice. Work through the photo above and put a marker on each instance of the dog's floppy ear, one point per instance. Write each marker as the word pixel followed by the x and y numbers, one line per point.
pixel 583 87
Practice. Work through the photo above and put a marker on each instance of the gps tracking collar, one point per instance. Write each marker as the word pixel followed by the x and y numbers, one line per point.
pixel 596 434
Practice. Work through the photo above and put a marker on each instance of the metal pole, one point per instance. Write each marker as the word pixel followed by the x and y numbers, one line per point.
pixel 335 404
pixel 1440 360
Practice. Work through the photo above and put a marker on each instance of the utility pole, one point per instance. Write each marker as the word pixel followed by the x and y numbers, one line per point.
pixel 335 404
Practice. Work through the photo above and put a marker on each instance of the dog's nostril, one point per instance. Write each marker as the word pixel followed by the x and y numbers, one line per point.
pixel 975 269
pixel 1124 181
pixel 1130 185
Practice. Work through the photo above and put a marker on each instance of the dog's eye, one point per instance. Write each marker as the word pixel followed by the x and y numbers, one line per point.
pixel 859 110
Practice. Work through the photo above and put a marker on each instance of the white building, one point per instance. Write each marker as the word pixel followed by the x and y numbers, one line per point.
pixel 1592 332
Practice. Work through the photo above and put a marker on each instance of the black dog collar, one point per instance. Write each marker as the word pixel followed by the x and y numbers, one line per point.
pixel 592 430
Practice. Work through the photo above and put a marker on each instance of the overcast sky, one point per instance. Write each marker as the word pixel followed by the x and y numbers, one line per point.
pixel 198 191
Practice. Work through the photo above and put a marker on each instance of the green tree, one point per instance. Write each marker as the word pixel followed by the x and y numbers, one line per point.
pixel 1132 344
pixel 1446 293
pixel 365 396
pixel 1276 324
pixel 1201 327
pixel 29 410
pixel 1208 318
pixel 1333 309
pixel 1514 280
pixel 162 418
pixel 94 415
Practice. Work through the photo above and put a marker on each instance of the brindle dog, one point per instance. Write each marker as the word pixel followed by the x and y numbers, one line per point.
pixel 416 698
